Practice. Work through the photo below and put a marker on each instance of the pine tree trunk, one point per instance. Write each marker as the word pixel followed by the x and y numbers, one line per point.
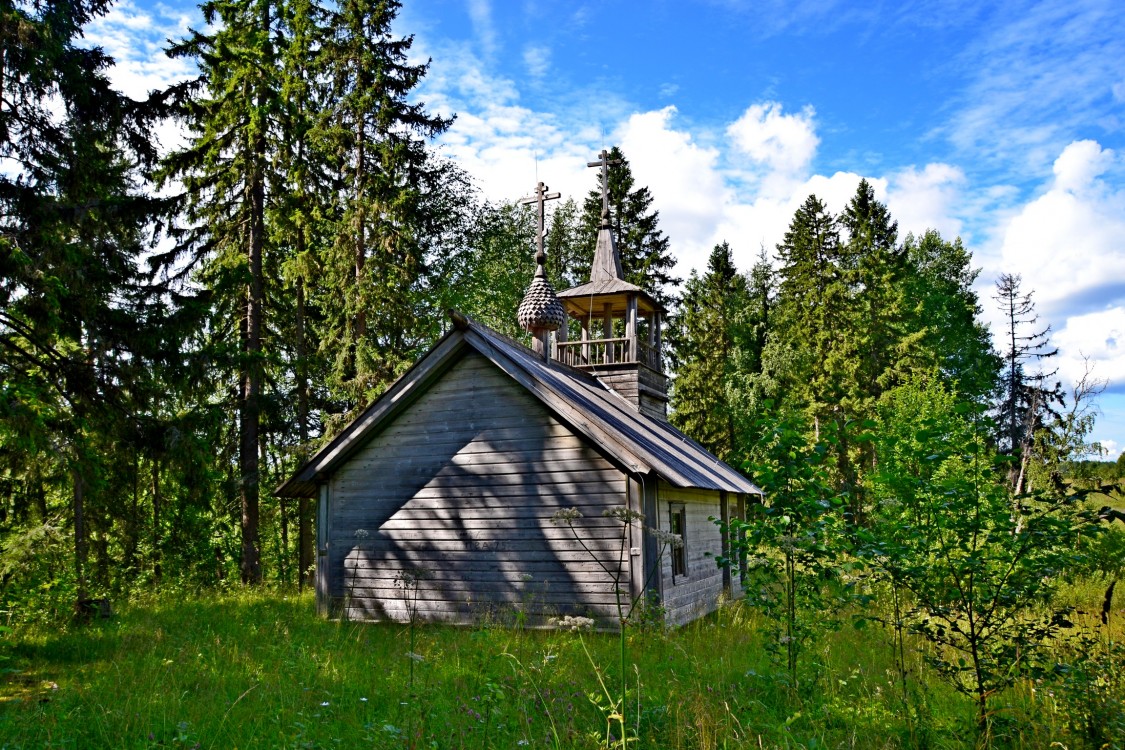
pixel 360 232
pixel 81 550
pixel 250 415
pixel 132 522
pixel 156 512
pixel 305 550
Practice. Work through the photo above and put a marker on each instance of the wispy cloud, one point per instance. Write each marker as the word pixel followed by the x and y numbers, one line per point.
pixel 1038 73
pixel 480 14
pixel 537 58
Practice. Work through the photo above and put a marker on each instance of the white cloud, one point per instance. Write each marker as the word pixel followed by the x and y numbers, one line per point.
pixel 922 199
pixel 683 177
pixel 1067 242
pixel 781 145
pixel 1098 338
pixel 537 58
pixel 1079 164
pixel 1111 449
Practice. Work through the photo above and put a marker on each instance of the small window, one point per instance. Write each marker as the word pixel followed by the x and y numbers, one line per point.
pixel 678 525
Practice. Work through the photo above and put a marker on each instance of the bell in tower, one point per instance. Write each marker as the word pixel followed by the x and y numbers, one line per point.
pixel 619 323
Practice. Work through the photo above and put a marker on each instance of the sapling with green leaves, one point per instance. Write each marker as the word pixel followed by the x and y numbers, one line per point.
pixel 793 539
pixel 980 577
pixel 627 603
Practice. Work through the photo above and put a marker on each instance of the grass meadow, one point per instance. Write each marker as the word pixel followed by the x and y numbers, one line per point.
pixel 259 669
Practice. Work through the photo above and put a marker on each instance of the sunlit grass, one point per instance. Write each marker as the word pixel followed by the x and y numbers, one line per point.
pixel 260 670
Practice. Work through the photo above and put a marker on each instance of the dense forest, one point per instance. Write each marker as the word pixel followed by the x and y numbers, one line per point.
pixel 179 330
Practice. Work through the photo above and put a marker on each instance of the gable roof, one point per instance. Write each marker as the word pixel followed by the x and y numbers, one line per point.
pixel 635 442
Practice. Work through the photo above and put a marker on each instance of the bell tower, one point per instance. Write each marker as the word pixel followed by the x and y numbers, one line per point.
pixel 620 324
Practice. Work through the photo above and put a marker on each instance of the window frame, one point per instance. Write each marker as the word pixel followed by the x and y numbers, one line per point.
pixel 678 554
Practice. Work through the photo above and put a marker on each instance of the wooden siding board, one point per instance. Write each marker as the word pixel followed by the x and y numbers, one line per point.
pixel 699 592
pixel 469 501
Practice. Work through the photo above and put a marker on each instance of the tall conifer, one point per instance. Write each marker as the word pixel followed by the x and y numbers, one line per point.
pixel 1026 397
pixel 378 138
pixel 233 110
pixel 709 331
pixel 946 311
pixel 79 321
pixel 876 265
pixel 646 258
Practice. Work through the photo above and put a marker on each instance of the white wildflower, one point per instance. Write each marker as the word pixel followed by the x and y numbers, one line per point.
pixel 623 514
pixel 572 623
pixel 566 515
pixel 665 538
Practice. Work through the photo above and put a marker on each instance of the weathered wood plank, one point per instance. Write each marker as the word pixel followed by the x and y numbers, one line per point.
pixel 463 484
pixel 487 454
pixel 527 510
pixel 459 612
pixel 537 493
pixel 701 589
pixel 485 592
pixel 545 472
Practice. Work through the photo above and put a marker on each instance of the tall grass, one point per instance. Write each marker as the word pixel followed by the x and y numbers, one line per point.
pixel 258 669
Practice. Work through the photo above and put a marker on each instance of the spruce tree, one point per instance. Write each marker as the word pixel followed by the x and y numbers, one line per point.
pixel 804 354
pixel 1027 398
pixel 813 355
pixel 752 394
pixel 646 258
pixel 378 268
pixel 708 333
pixel 568 264
pixel 80 323
pixel 233 111
pixel 300 230
pixel 876 265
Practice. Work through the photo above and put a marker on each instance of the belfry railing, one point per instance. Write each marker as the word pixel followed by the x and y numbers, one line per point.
pixel 597 352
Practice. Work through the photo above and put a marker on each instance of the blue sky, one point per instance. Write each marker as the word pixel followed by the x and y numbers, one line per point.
pixel 1001 123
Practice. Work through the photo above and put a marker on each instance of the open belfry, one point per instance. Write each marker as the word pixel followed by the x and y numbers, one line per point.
pixel 619 322
pixel 452 478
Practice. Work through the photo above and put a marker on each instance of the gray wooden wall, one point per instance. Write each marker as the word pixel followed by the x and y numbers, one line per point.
pixel 461 487
pixel 694 595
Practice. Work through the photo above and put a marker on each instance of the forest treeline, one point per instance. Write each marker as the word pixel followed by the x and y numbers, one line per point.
pixel 178 331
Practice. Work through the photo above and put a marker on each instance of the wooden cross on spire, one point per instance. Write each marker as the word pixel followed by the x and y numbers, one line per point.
pixel 604 162
pixel 541 197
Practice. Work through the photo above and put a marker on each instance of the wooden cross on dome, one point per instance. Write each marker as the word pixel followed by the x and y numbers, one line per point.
pixel 604 162
pixel 541 197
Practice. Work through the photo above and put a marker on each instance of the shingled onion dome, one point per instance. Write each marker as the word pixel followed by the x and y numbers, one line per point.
pixel 540 311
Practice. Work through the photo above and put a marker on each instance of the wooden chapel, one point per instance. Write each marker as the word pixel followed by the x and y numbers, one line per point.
pixel 439 499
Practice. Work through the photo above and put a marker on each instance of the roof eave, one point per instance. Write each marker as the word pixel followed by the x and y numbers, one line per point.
pixel 397 397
